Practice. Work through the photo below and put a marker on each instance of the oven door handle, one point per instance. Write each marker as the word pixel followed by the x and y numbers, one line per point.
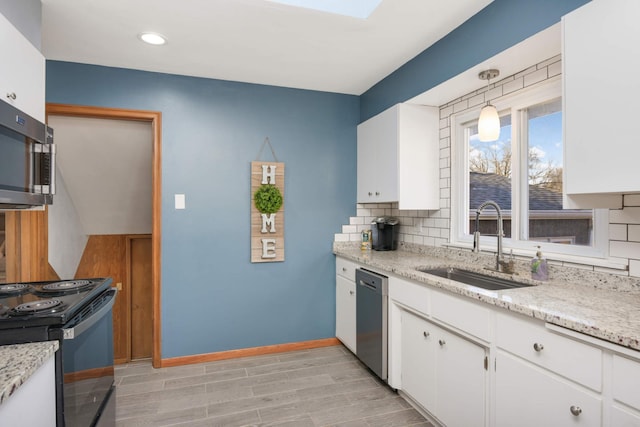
pixel 74 331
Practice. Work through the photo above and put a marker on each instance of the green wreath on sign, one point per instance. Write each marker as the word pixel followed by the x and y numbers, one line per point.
pixel 267 199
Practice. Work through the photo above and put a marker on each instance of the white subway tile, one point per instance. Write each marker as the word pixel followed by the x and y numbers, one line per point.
pixel 349 229
pixel 445 132
pixel 446 112
pixel 618 232
pixel 525 72
pixel 444 122
pixel 630 215
pixel 513 86
pixel 476 100
pixel 535 77
pixel 624 249
pixel 634 233
pixel 554 69
pixel 338 237
pixel 634 267
pixel 615 271
pixel 494 93
pixel 631 200
pixel 355 220
pixel 553 60
pixel 460 106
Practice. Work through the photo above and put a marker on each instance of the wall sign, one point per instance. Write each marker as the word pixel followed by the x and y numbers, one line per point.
pixel 267 211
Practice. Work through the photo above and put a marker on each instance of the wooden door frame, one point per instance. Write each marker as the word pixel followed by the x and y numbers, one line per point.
pixel 155 119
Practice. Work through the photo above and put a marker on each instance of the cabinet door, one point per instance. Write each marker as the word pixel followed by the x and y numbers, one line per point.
pixel 443 372
pixel 461 384
pixel 624 418
pixel 22 72
pixel 600 37
pixel 378 158
pixel 530 396
pixel 346 312
pixel 418 360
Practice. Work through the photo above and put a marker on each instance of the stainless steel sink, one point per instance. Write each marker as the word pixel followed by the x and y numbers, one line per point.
pixel 476 279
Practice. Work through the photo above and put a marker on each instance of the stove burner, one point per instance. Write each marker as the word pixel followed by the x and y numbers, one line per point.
pixel 37 306
pixel 71 285
pixel 14 288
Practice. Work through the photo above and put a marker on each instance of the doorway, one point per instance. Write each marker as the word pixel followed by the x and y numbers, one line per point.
pixel 136 246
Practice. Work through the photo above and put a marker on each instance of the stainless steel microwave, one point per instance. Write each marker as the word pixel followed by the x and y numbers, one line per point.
pixel 27 160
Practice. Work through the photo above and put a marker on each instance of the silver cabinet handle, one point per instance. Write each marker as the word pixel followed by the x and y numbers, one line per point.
pixel 575 410
pixel 425 334
pixel 441 342
pixel 538 347
pixel 377 193
pixel 351 292
pixel 11 95
pixel 370 193
pixel 344 269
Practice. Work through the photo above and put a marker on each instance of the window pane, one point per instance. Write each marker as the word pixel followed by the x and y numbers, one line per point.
pixel 548 222
pixel 490 178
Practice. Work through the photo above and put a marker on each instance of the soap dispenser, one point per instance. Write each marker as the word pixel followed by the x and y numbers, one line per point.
pixel 539 270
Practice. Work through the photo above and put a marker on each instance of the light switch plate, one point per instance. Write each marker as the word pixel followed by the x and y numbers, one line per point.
pixel 180 201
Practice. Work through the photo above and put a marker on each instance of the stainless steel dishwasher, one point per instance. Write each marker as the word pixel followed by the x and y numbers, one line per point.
pixel 371 320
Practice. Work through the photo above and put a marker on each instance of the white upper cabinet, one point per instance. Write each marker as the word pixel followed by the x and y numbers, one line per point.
pixel 22 74
pixel 398 157
pixel 601 56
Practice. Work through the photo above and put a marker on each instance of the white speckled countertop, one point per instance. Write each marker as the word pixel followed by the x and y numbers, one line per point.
pixel 19 361
pixel 601 305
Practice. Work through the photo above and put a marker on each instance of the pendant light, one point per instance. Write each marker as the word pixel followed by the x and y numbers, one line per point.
pixel 489 121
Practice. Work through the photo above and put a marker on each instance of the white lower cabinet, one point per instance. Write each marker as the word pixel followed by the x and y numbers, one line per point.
pixel 346 302
pixel 526 395
pixel 468 364
pixel 346 312
pixel 443 372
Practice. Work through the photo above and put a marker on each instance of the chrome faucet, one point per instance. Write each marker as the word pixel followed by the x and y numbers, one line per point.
pixel 501 264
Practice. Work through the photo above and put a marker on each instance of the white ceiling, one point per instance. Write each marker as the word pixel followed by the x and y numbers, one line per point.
pixel 254 41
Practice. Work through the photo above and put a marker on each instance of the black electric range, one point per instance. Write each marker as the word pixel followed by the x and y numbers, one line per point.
pixel 76 313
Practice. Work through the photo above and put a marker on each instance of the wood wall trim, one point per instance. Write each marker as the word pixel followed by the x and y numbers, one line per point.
pixel 245 352
pixel 155 118
pixel 88 374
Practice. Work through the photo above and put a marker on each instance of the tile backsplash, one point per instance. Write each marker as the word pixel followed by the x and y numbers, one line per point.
pixel 432 228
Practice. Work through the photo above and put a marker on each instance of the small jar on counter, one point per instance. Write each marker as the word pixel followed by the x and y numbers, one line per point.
pixel 366 240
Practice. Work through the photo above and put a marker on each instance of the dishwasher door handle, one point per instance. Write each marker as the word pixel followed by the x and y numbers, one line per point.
pixel 368 285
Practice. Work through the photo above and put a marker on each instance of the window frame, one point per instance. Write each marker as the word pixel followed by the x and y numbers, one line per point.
pixel 514 104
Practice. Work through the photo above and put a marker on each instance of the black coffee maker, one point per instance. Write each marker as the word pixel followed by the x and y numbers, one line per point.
pixel 384 233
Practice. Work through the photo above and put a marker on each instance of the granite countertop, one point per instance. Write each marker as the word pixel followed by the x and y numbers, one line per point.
pixel 601 305
pixel 19 361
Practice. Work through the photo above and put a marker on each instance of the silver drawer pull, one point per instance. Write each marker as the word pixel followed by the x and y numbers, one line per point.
pixel 442 342
pixel 538 347
pixel 575 410
pixel 344 269
pixel 11 95
pixel 351 292
pixel 425 334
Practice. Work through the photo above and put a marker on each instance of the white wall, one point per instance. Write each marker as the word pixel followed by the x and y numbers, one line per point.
pixel 67 238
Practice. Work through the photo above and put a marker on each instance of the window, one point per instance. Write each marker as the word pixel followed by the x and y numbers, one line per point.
pixel 522 173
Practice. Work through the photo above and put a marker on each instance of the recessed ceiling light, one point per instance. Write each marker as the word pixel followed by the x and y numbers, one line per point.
pixel 153 38
pixel 354 8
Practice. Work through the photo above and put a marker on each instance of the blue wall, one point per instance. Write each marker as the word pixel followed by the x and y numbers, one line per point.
pixel 497 27
pixel 213 298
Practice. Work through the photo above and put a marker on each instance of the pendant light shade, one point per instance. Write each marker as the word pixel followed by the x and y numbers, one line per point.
pixel 489 121
pixel 488 124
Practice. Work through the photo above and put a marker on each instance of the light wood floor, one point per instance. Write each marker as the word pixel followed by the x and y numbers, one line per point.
pixel 320 387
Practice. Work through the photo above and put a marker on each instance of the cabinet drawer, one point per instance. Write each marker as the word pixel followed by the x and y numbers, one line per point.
pixel 530 340
pixel 464 315
pixel 410 294
pixel 346 269
pixel 626 378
